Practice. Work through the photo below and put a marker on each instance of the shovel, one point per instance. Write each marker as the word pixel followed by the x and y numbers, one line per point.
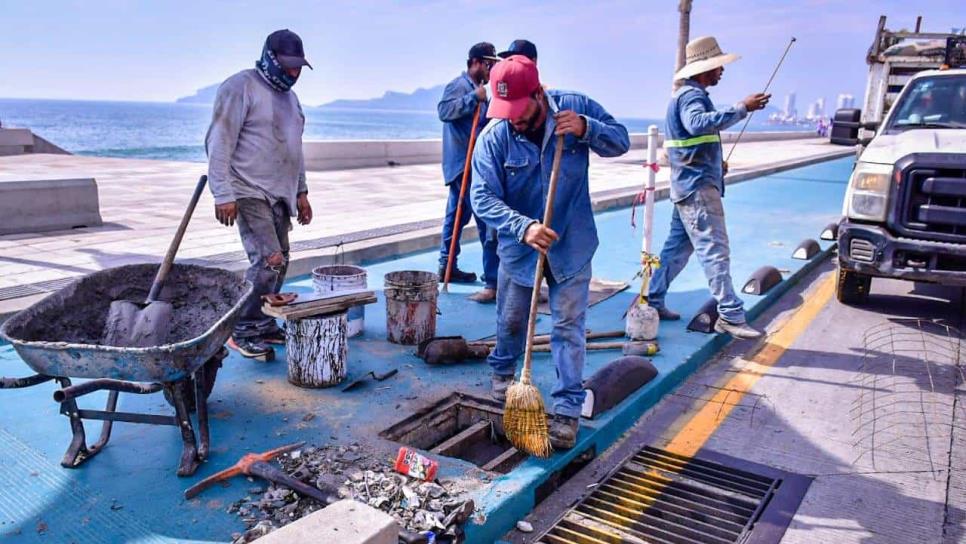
pixel 141 325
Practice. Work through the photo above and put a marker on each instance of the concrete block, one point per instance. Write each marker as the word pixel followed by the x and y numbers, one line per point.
pixel 44 205
pixel 345 522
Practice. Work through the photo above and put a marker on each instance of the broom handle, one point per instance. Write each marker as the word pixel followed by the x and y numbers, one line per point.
pixel 457 231
pixel 176 242
pixel 541 259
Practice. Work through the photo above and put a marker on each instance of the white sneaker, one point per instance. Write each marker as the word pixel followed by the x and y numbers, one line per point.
pixel 738 330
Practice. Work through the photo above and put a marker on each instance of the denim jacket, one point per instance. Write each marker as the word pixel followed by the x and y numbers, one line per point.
pixel 692 140
pixel 456 109
pixel 511 176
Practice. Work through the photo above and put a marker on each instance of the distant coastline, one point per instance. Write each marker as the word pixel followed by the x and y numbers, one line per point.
pixel 176 130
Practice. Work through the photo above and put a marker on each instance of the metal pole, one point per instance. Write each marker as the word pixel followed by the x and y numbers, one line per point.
pixel 649 188
pixel 770 79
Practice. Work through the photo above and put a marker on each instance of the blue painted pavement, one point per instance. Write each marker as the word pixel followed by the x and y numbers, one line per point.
pixel 130 493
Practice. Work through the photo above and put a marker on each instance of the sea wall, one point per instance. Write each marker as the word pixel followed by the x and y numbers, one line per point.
pixel 343 154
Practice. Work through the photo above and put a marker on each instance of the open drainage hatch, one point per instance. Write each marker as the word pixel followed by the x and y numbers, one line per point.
pixel 656 496
pixel 460 426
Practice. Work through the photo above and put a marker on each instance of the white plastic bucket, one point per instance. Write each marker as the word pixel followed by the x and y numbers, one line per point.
pixel 340 279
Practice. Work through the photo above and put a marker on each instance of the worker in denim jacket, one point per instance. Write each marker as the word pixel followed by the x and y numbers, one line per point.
pixel 693 146
pixel 511 175
pixel 456 110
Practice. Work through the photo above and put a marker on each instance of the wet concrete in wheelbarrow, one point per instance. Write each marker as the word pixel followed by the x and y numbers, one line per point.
pixel 78 316
pixel 255 409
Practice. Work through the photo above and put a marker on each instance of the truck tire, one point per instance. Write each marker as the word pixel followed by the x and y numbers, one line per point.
pixel 852 287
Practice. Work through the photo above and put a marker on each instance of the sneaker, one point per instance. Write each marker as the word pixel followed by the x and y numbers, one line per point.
pixel 277 336
pixel 563 432
pixel 252 348
pixel 498 386
pixel 738 330
pixel 486 295
pixel 665 314
pixel 456 275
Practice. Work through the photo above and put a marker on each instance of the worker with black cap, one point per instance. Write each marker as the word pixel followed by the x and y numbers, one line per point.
pixel 456 110
pixel 521 47
pixel 256 172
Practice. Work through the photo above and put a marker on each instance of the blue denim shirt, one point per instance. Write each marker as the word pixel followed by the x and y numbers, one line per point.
pixel 511 176
pixel 691 114
pixel 456 109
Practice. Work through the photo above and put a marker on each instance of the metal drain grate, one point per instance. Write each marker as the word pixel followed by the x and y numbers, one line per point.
pixel 660 497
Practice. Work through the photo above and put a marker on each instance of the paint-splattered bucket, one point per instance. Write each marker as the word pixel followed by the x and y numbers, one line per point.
pixel 341 279
pixel 411 306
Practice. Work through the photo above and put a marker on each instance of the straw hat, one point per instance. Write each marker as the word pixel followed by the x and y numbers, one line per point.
pixel 703 55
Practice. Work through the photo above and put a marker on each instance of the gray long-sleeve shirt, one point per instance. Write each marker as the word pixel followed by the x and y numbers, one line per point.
pixel 254 143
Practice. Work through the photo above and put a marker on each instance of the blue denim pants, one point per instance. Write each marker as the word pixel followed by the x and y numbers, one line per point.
pixel 491 262
pixel 698 226
pixel 264 234
pixel 568 308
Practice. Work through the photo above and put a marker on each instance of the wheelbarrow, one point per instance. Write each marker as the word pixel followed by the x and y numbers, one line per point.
pixel 60 339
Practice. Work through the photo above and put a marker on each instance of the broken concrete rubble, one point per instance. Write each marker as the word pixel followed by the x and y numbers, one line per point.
pixel 417 506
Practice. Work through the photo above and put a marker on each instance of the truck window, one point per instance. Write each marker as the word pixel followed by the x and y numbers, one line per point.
pixel 933 102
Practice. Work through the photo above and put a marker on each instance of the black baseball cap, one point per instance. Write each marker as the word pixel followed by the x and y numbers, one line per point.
pixel 287 47
pixel 521 47
pixel 483 50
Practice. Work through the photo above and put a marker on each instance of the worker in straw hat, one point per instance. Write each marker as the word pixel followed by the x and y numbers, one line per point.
pixel 697 185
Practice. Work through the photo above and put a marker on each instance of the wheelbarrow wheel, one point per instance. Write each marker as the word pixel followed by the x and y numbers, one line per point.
pixel 211 372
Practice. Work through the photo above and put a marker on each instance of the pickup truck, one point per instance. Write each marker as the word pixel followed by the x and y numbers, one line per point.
pixel 904 214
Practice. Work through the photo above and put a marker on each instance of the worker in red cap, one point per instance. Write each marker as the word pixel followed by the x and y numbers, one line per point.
pixel 511 173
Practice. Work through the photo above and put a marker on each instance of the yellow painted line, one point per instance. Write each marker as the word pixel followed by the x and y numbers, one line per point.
pixel 699 428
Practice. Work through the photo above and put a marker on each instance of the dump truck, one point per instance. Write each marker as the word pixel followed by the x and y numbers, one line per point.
pixel 904 214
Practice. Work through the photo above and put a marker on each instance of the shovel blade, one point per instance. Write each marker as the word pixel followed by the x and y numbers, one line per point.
pixel 131 326
pixel 152 325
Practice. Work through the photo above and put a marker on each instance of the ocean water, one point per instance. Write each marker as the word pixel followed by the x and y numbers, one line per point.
pixel 171 131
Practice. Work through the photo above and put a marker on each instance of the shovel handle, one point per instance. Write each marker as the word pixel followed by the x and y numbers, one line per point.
pixel 176 242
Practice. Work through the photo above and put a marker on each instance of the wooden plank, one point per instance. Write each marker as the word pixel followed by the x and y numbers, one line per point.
pixel 319 306
pixel 495 464
pixel 453 446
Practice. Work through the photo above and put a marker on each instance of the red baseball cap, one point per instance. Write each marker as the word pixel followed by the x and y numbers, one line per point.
pixel 512 81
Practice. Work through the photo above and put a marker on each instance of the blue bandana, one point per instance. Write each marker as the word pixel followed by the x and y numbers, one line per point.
pixel 273 72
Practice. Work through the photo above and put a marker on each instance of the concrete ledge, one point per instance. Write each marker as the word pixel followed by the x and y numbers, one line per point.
pixel 345 522
pixel 45 205
pixel 344 154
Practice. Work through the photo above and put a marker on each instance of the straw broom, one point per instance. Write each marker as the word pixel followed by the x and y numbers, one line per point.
pixel 524 417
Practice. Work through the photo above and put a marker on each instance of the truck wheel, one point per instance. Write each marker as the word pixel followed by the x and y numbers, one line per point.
pixel 852 288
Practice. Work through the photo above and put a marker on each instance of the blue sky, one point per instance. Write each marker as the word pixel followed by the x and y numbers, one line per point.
pixel 621 52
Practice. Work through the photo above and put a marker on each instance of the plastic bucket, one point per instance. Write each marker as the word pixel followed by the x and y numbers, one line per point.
pixel 411 306
pixel 340 279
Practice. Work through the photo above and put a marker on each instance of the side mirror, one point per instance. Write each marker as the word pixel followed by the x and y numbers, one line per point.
pixel 845 127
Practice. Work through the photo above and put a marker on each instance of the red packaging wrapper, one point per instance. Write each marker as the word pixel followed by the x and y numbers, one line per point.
pixel 413 464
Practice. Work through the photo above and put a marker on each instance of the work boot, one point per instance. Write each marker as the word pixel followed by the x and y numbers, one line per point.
pixel 252 348
pixel 667 315
pixel 499 384
pixel 487 295
pixel 563 432
pixel 456 275
pixel 276 336
pixel 743 331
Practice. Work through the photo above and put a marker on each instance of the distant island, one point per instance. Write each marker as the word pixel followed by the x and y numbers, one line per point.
pixel 202 96
pixel 418 100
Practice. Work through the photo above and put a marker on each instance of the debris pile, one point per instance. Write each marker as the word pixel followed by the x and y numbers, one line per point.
pixel 418 506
